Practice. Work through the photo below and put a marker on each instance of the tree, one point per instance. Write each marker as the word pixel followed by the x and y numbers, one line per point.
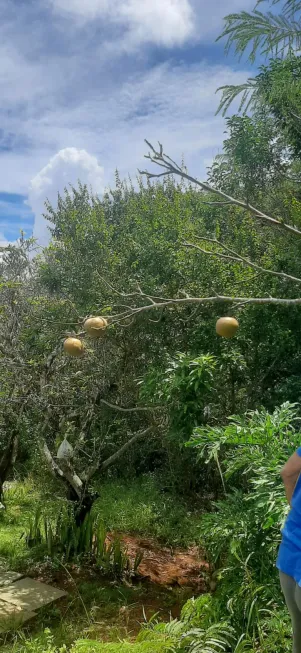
pixel 165 246
pixel 275 35
pixel 43 400
pixel 118 273
pixel 15 266
pixel 151 303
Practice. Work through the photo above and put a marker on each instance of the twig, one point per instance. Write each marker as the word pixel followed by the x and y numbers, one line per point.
pixel 161 159
pixel 238 258
pixel 126 410
pixel 126 446
pixel 115 456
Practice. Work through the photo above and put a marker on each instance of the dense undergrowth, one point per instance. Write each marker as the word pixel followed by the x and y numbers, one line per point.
pixel 95 598
pixel 241 534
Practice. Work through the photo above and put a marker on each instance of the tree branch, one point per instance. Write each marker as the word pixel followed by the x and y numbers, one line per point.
pixel 53 466
pixel 66 475
pixel 115 456
pixel 215 299
pixel 125 410
pixel 161 159
pixel 238 258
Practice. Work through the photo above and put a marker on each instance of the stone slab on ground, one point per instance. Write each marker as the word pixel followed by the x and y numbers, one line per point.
pixel 29 595
pixel 12 616
pixel 8 577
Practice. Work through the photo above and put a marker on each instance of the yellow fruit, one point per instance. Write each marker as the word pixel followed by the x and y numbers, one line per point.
pixel 95 326
pixel 73 347
pixel 227 327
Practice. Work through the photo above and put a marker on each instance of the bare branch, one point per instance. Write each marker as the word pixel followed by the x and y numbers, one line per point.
pixel 217 254
pixel 115 456
pixel 216 299
pixel 238 258
pixel 54 468
pixel 150 175
pixel 66 475
pixel 126 410
pixel 217 203
pixel 161 159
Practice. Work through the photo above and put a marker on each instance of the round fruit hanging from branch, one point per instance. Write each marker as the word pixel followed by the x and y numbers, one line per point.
pixel 74 347
pixel 226 327
pixel 95 326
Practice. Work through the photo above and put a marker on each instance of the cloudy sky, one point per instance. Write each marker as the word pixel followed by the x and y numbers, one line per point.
pixel 83 82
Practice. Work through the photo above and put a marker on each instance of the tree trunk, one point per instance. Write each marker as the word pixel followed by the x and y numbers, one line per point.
pixel 7 460
pixel 82 505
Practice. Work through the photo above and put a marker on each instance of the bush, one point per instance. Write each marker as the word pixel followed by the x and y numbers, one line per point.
pixel 242 534
pixel 61 536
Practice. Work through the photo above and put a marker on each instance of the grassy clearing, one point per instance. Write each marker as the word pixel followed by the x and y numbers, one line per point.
pixel 130 507
pixel 96 609
pixel 140 507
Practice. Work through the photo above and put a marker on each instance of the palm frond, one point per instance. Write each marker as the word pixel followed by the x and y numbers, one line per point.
pixel 267 33
pixel 231 92
pixel 290 7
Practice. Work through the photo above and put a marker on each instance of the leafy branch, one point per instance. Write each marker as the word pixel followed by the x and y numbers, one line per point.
pixel 268 33
pixel 171 168
pixel 230 92
pixel 151 303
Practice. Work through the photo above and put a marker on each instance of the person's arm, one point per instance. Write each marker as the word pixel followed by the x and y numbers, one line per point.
pixel 290 474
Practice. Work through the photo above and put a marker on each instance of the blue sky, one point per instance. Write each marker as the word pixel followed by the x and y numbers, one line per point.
pixel 83 82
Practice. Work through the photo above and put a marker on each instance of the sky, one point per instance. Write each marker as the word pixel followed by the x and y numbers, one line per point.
pixel 84 82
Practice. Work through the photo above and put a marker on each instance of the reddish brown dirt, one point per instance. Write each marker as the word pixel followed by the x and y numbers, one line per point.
pixel 164 566
pixel 167 579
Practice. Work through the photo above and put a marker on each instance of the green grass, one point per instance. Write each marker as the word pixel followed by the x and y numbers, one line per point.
pixel 22 501
pixel 91 612
pixel 138 506
pixel 92 609
pixel 122 647
pixel 130 507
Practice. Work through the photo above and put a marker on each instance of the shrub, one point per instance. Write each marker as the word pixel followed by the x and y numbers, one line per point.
pixel 61 536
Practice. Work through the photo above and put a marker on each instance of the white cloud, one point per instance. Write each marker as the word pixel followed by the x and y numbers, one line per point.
pixel 172 104
pixel 66 167
pixel 68 88
pixel 163 22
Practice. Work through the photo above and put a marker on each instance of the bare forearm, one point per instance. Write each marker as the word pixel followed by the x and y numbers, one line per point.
pixel 290 484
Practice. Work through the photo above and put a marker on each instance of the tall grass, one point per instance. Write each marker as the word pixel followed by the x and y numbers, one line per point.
pixel 61 536
pixel 141 506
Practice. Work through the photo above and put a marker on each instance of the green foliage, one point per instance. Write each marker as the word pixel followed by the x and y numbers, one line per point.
pixel 184 386
pixel 242 533
pixel 147 506
pixel 188 638
pixel 252 158
pixel 159 646
pixel 267 32
pixel 279 86
pixel 63 537
pixel 41 644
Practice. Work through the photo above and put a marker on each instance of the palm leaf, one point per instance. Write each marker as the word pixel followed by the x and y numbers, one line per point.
pixel 267 33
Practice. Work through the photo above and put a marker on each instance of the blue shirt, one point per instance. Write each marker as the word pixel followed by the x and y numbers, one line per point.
pixel 289 554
